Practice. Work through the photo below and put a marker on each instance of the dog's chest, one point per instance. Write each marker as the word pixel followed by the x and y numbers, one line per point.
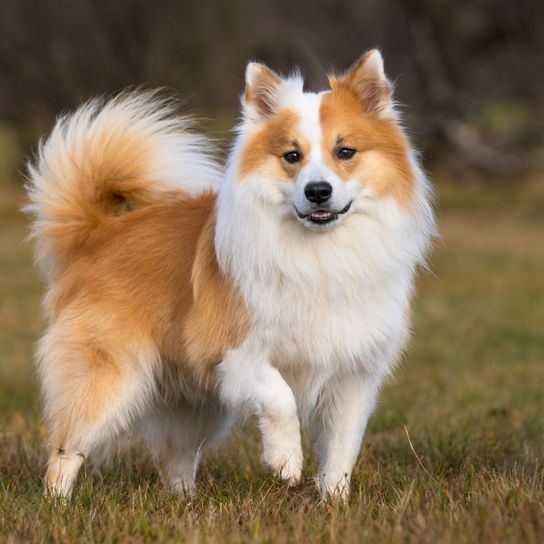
pixel 336 322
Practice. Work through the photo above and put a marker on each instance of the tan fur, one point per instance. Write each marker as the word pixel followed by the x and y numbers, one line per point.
pixel 126 186
pixel 97 164
pixel 381 160
pixel 143 296
pixel 265 148
pixel 217 319
pixel 123 198
pixel 155 269
pixel 371 90
pixel 349 117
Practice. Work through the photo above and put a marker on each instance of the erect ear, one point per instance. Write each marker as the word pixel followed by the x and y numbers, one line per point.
pixel 262 93
pixel 366 78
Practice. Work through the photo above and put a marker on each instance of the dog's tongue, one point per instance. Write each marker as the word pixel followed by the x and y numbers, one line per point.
pixel 321 214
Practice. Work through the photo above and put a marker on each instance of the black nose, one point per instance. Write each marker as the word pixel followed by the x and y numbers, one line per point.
pixel 318 191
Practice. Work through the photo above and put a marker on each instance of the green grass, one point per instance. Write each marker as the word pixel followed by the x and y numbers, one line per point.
pixel 469 398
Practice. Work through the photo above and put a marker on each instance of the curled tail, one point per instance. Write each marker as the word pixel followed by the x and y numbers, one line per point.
pixel 105 159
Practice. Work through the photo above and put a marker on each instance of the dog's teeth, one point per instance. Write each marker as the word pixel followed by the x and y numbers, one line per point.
pixel 321 214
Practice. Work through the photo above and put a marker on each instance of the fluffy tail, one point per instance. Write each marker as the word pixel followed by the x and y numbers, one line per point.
pixel 108 158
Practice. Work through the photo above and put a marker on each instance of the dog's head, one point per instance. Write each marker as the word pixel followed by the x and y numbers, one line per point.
pixel 322 157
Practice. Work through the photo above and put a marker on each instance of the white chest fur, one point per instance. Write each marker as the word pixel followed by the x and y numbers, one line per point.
pixel 335 300
pixel 328 319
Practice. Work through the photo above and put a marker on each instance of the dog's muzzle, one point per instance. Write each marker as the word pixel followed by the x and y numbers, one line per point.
pixel 323 216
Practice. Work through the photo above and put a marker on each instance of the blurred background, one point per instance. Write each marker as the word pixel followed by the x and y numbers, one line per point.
pixel 470 78
pixel 470 73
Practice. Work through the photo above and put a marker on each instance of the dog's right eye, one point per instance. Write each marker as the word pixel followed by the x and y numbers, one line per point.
pixel 292 157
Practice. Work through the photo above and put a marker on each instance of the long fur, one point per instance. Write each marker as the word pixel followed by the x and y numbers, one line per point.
pixel 109 157
pixel 181 294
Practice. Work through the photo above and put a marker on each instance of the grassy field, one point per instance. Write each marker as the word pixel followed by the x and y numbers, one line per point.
pixel 454 452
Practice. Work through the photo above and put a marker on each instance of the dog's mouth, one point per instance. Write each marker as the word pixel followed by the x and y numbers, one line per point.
pixel 322 217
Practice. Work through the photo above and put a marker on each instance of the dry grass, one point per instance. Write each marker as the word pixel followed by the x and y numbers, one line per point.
pixel 470 394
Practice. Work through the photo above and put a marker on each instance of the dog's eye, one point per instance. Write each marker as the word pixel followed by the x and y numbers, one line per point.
pixel 292 157
pixel 345 153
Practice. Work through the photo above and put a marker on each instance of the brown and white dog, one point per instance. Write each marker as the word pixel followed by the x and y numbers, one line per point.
pixel 182 294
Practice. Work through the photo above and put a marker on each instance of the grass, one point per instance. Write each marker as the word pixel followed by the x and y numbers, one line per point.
pixel 454 452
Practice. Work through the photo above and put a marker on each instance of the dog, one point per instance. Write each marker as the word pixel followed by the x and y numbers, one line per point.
pixel 183 293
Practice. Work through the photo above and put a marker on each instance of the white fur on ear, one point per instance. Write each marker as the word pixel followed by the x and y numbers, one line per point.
pixel 368 80
pixel 261 96
pixel 374 64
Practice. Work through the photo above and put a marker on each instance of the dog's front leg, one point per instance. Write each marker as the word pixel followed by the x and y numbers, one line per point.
pixel 339 427
pixel 249 383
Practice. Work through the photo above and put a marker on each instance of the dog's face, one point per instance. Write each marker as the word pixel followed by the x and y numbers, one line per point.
pixel 322 157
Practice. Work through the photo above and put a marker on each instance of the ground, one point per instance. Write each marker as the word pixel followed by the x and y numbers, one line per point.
pixel 454 452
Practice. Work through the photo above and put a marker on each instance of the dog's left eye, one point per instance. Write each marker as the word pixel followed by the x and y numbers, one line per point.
pixel 292 157
pixel 345 153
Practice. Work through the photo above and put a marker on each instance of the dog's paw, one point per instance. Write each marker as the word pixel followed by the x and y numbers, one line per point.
pixel 280 428
pixel 334 489
pixel 286 463
pixel 184 489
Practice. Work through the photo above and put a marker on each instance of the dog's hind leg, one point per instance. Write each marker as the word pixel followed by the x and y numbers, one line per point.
pixel 178 434
pixel 62 470
pixel 90 396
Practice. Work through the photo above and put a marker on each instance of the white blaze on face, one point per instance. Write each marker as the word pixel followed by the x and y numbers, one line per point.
pixel 308 106
pixel 290 139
